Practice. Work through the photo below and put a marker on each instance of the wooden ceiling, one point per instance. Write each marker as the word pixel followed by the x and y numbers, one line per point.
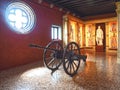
pixel 85 8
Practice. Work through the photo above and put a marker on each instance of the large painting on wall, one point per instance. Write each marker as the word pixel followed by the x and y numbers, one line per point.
pixel 72 31
pixel 89 35
pixel 79 35
pixel 113 35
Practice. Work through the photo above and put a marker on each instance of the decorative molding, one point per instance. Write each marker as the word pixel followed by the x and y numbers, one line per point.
pixel 101 20
pixel 118 7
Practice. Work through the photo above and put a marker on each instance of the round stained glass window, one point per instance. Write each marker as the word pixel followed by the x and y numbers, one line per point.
pixel 20 17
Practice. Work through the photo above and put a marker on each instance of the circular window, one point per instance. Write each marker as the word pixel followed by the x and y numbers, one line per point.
pixel 20 17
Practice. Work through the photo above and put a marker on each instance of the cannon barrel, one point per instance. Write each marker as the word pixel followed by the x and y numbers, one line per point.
pixel 42 47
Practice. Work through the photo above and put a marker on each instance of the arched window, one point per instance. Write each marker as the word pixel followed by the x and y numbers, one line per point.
pixel 20 17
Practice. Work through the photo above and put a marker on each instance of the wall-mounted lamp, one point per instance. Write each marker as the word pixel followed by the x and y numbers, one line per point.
pixel 68 12
pixel 60 9
pixel 51 5
pixel 40 1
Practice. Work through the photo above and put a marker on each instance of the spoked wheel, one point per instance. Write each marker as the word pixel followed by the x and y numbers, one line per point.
pixel 53 55
pixel 71 61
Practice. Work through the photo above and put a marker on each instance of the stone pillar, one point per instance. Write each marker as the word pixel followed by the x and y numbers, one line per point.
pixel 118 21
pixel 65 30
pixel 107 36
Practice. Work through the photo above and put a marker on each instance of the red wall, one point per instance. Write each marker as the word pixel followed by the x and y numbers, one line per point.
pixel 14 49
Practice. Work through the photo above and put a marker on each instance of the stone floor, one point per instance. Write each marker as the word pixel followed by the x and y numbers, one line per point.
pixel 101 72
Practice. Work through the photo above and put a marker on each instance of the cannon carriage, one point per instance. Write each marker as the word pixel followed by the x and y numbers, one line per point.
pixel 55 54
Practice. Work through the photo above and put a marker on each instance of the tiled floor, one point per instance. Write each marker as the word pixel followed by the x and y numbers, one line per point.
pixel 101 72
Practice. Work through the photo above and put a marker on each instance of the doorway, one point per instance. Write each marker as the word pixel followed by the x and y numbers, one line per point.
pixel 100 39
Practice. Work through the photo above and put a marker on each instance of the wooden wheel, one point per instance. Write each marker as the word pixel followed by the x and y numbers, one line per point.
pixel 71 61
pixel 53 54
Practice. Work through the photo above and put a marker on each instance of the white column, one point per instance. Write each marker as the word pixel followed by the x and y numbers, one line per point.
pixel 118 21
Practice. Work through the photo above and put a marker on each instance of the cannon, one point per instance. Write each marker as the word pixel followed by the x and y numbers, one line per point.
pixel 54 55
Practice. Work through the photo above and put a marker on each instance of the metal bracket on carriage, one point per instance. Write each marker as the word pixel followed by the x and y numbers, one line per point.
pixel 83 57
pixel 53 70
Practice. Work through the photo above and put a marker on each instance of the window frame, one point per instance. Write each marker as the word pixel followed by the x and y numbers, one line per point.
pixel 56 35
pixel 30 16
